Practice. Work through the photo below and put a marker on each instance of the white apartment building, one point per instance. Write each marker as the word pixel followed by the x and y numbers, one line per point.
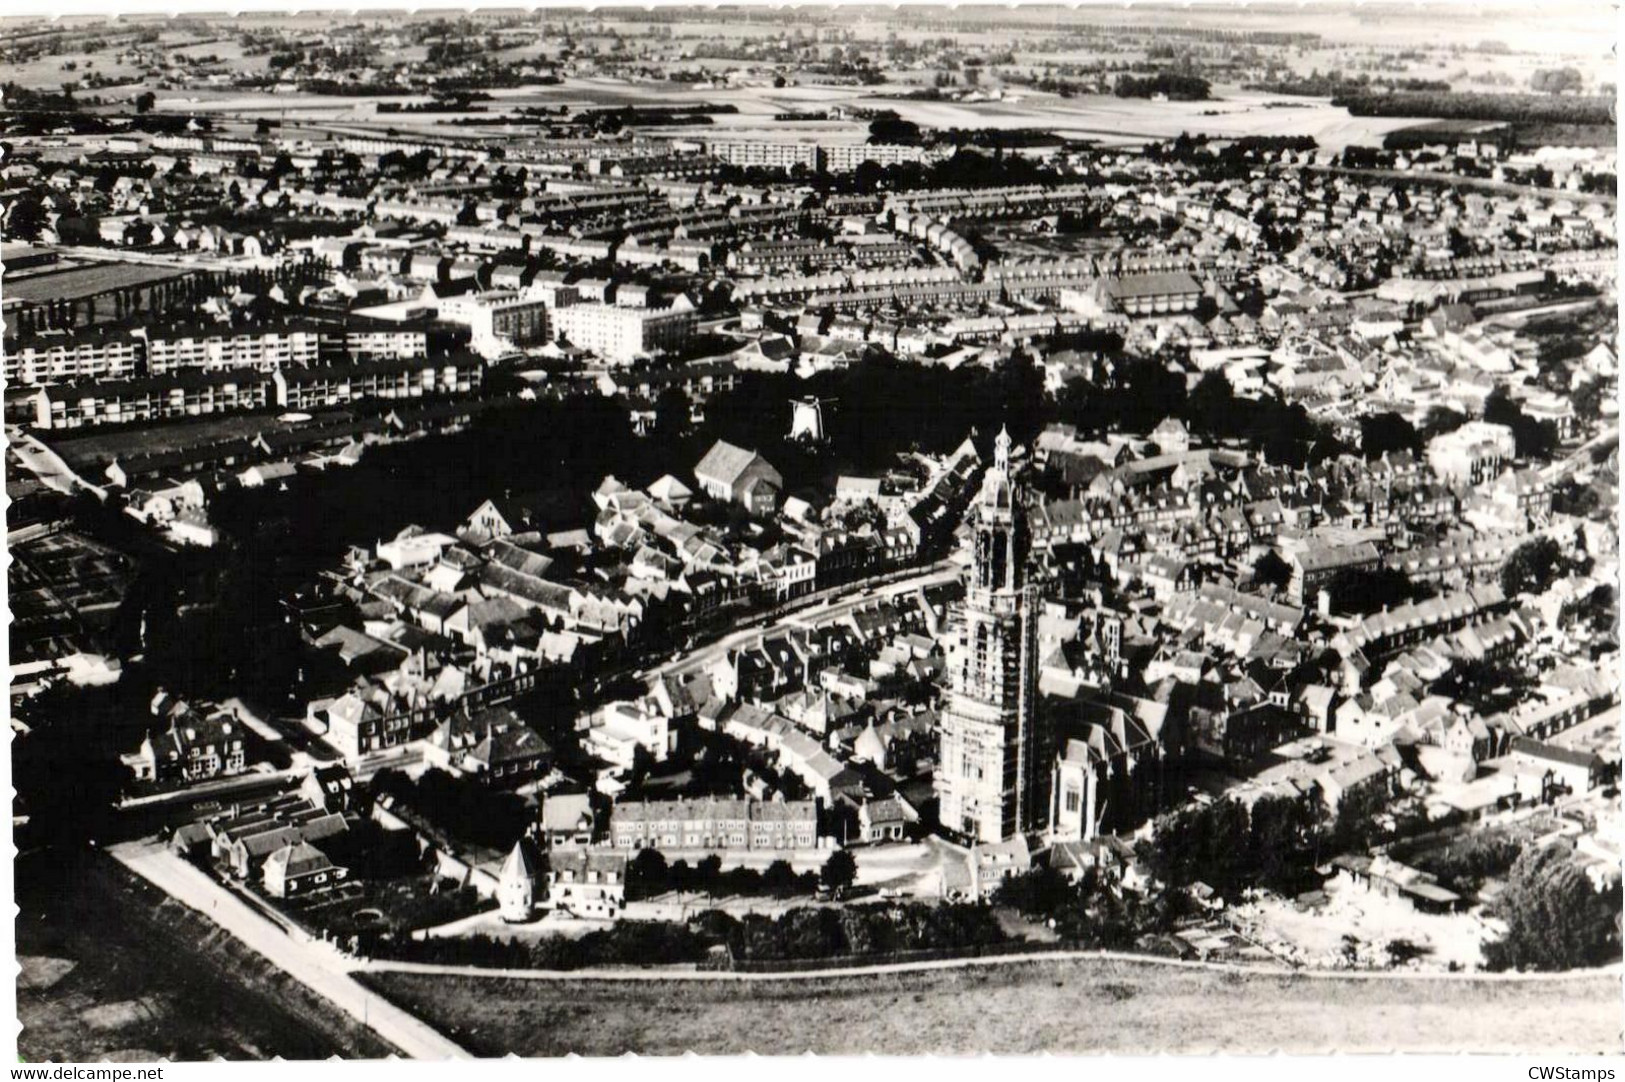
pixel 498 319
pixel 262 349
pixel 845 158
pixel 767 155
pixel 620 335
pixel 1472 454
pixel 68 359
pixel 385 343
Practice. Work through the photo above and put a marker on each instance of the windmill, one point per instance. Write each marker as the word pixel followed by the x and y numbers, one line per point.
pixel 807 418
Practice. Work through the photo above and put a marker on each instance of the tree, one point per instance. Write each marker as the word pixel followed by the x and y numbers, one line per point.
pixel 839 871
pixel 1040 892
pixel 893 130
pixel 1354 827
pixel 1270 570
pixel 1368 589
pixel 1439 421
pixel 1555 81
pixel 1384 433
pixel 867 176
pixel 145 101
pixel 1532 567
pixel 779 878
pixel 26 219
pixel 671 413
pixel 1534 439
pixel 648 874
pixel 1556 917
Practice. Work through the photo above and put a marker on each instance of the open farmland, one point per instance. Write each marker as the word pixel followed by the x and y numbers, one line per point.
pixel 1060 1007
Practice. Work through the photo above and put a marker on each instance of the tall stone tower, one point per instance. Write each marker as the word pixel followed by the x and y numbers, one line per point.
pixel 994 764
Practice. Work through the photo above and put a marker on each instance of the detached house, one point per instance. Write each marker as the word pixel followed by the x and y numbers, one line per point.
pixel 192 748
pixel 734 475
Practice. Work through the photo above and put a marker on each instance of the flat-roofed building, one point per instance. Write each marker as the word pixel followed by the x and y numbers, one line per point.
pixel 620 335
pixel 337 384
pixel 63 358
pixel 498 316
pixel 264 348
pixel 183 394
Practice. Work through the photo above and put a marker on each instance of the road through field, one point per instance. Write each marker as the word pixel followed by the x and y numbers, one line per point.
pixel 316 965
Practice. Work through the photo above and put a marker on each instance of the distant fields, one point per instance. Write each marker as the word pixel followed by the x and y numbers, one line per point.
pixel 1061 1007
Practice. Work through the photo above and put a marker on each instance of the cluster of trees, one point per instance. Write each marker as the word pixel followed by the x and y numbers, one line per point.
pixel 1386 433
pixel 894 130
pixel 1198 149
pixel 1467 861
pixel 1534 438
pixel 1228 846
pixel 829 932
pixel 1139 393
pixel 1332 84
pixel 1094 913
pixel 1532 567
pixel 803 933
pixel 1515 108
pixel 457 806
pixel 1556 81
pixel 1175 86
pixel 1365 590
pixel 627 943
pixel 1556 917
pixel 649 874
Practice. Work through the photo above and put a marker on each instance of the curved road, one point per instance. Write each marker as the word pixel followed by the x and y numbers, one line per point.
pixel 936 574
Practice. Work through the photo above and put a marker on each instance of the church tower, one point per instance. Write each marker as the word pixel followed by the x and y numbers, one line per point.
pixel 993 763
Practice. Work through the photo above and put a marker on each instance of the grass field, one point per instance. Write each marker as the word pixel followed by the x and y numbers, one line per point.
pixel 68 282
pixel 113 968
pixel 1061 1007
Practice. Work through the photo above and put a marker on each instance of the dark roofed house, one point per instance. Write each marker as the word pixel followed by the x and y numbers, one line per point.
pixel 494 745
pixel 331 787
pixel 1151 294
pixel 1315 565
pixel 193 747
pixel 1577 771
pixel 734 475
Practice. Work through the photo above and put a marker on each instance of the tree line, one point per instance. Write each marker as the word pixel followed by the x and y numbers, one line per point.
pixel 1514 108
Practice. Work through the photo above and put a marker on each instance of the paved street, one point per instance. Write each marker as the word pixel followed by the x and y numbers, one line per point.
pixel 935 575
pixel 316 965
pixel 46 464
